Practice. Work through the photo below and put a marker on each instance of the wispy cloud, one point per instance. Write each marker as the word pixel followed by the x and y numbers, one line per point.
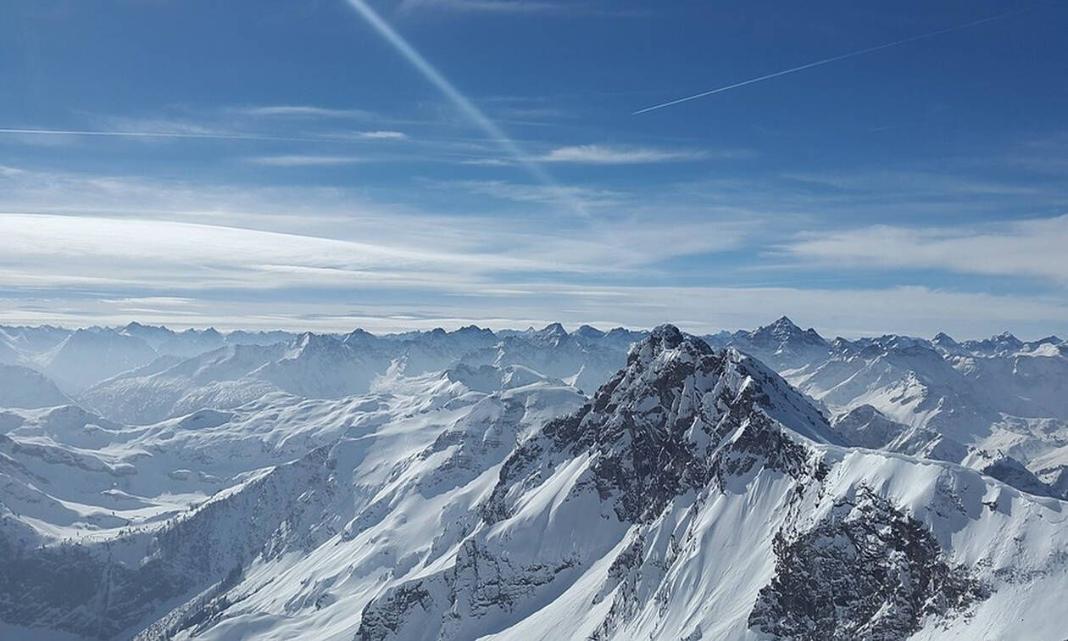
pixel 303 160
pixel 305 111
pixel 118 133
pixel 612 155
pixel 382 135
pixel 1027 248
pixel 589 197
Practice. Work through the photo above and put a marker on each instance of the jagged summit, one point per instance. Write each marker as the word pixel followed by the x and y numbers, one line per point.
pixel 665 338
pixel 474 330
pixel 784 330
pixel 655 428
pixel 553 329
pixel 942 338
pixel 589 331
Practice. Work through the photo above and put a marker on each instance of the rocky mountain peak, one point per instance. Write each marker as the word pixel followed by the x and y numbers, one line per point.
pixel 589 331
pixel 679 416
pixel 783 331
pixel 943 339
pixel 667 338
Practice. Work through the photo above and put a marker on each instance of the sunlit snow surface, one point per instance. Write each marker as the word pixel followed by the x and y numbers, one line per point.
pixel 325 490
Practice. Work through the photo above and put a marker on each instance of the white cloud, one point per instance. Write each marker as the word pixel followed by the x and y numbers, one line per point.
pixel 848 312
pixel 146 242
pixel 532 193
pixel 383 135
pixel 305 111
pixel 611 155
pixel 1028 248
pixel 298 160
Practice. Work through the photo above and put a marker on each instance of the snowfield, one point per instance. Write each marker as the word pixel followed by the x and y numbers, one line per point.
pixel 530 485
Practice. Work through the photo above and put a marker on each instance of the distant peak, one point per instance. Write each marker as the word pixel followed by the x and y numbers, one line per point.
pixel 554 328
pixel 664 338
pixel 784 330
pixel 589 331
pixel 473 329
pixel 667 335
pixel 784 321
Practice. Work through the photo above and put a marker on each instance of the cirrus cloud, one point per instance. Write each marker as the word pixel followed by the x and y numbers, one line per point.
pixel 613 155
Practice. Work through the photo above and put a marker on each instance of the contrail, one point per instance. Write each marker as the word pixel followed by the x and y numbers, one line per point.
pixel 465 106
pixel 825 61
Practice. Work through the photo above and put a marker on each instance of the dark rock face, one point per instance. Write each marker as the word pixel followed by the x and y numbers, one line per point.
pixel 867 572
pixel 80 588
pixel 385 616
pixel 659 428
pixel 479 583
pixel 1012 472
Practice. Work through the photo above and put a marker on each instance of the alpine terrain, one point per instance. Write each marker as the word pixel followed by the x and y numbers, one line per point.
pixel 530 485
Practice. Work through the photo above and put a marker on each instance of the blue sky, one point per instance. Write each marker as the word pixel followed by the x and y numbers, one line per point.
pixel 287 164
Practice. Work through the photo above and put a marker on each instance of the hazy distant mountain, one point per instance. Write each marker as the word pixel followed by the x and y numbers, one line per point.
pixel 87 356
pixel 28 388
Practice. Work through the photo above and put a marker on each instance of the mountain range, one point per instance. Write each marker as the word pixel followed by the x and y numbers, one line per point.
pixel 530 484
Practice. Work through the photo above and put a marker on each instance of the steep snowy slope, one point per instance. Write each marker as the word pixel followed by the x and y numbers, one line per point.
pixel 584 361
pixel 323 367
pixel 782 344
pixel 317 366
pixel 88 356
pixel 8 354
pixel 25 387
pixel 1030 382
pixel 124 509
pixel 996 403
pixel 29 341
pixel 193 342
pixel 170 386
pixel 696 495
pixel 865 426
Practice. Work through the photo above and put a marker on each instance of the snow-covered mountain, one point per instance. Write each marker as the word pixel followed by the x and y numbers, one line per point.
pixel 87 356
pixel 695 495
pixel 24 387
pixel 998 399
pixel 323 366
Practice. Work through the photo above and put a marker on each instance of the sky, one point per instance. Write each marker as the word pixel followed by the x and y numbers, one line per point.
pixel 864 168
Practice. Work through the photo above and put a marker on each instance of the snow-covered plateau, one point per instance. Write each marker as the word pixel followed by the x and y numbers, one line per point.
pixel 531 485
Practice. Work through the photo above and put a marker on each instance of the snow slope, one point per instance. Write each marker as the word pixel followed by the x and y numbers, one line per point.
pixel 695 495
pixel 1000 400
pixel 25 387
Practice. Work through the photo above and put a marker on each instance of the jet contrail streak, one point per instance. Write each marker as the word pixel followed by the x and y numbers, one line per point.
pixel 460 101
pixel 825 61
